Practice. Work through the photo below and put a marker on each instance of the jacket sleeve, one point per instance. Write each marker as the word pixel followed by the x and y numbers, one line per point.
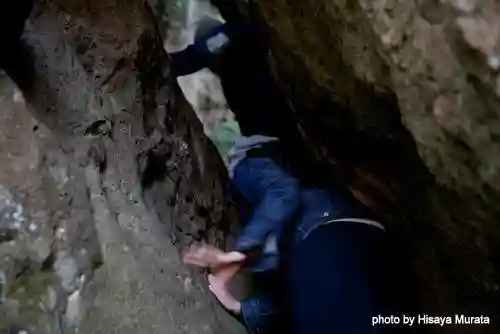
pixel 274 196
pixel 199 55
pixel 187 61
pixel 260 314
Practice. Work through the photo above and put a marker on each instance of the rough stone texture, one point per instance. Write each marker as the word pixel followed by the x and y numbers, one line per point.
pixel 106 184
pixel 401 98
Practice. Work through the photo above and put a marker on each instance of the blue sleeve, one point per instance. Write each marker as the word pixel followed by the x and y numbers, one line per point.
pixel 273 194
pixel 187 61
pixel 259 314
pixel 197 56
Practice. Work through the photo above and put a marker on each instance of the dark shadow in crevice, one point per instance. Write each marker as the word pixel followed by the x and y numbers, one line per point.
pixel 7 235
pixel 155 169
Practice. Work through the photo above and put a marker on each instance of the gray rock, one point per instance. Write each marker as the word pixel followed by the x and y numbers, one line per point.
pixel 43 164
pixel 67 269
pixel 42 248
pixel 3 287
pixel 73 310
pixel 50 300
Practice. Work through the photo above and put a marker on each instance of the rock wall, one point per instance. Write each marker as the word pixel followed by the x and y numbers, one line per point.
pixel 110 179
pixel 401 99
pixel 113 174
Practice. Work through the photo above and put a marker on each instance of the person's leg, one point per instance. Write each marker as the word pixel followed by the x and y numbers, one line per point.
pixel 336 280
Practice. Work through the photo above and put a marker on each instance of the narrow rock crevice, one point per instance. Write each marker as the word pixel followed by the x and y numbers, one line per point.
pixel 373 106
pixel 113 176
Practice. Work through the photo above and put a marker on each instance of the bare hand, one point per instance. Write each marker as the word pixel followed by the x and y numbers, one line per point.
pixel 211 257
pixel 223 265
pixel 218 285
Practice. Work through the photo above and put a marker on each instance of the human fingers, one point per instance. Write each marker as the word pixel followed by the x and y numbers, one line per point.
pixel 204 255
pixel 209 256
pixel 226 272
pixel 196 255
pixel 231 257
pixel 220 291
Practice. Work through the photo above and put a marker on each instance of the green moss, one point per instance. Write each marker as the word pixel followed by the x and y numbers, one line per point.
pixel 28 292
pixel 224 135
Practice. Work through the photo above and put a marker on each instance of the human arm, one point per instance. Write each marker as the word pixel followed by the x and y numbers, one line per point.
pixel 187 61
pixel 258 312
pixel 201 54
pixel 274 196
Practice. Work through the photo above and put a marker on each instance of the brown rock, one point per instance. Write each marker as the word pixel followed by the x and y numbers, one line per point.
pixel 406 92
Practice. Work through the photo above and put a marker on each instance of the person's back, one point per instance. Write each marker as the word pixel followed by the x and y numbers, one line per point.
pixel 334 266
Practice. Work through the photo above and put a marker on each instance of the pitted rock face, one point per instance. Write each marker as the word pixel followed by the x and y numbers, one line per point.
pixel 12 219
pixel 401 99
pixel 93 247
